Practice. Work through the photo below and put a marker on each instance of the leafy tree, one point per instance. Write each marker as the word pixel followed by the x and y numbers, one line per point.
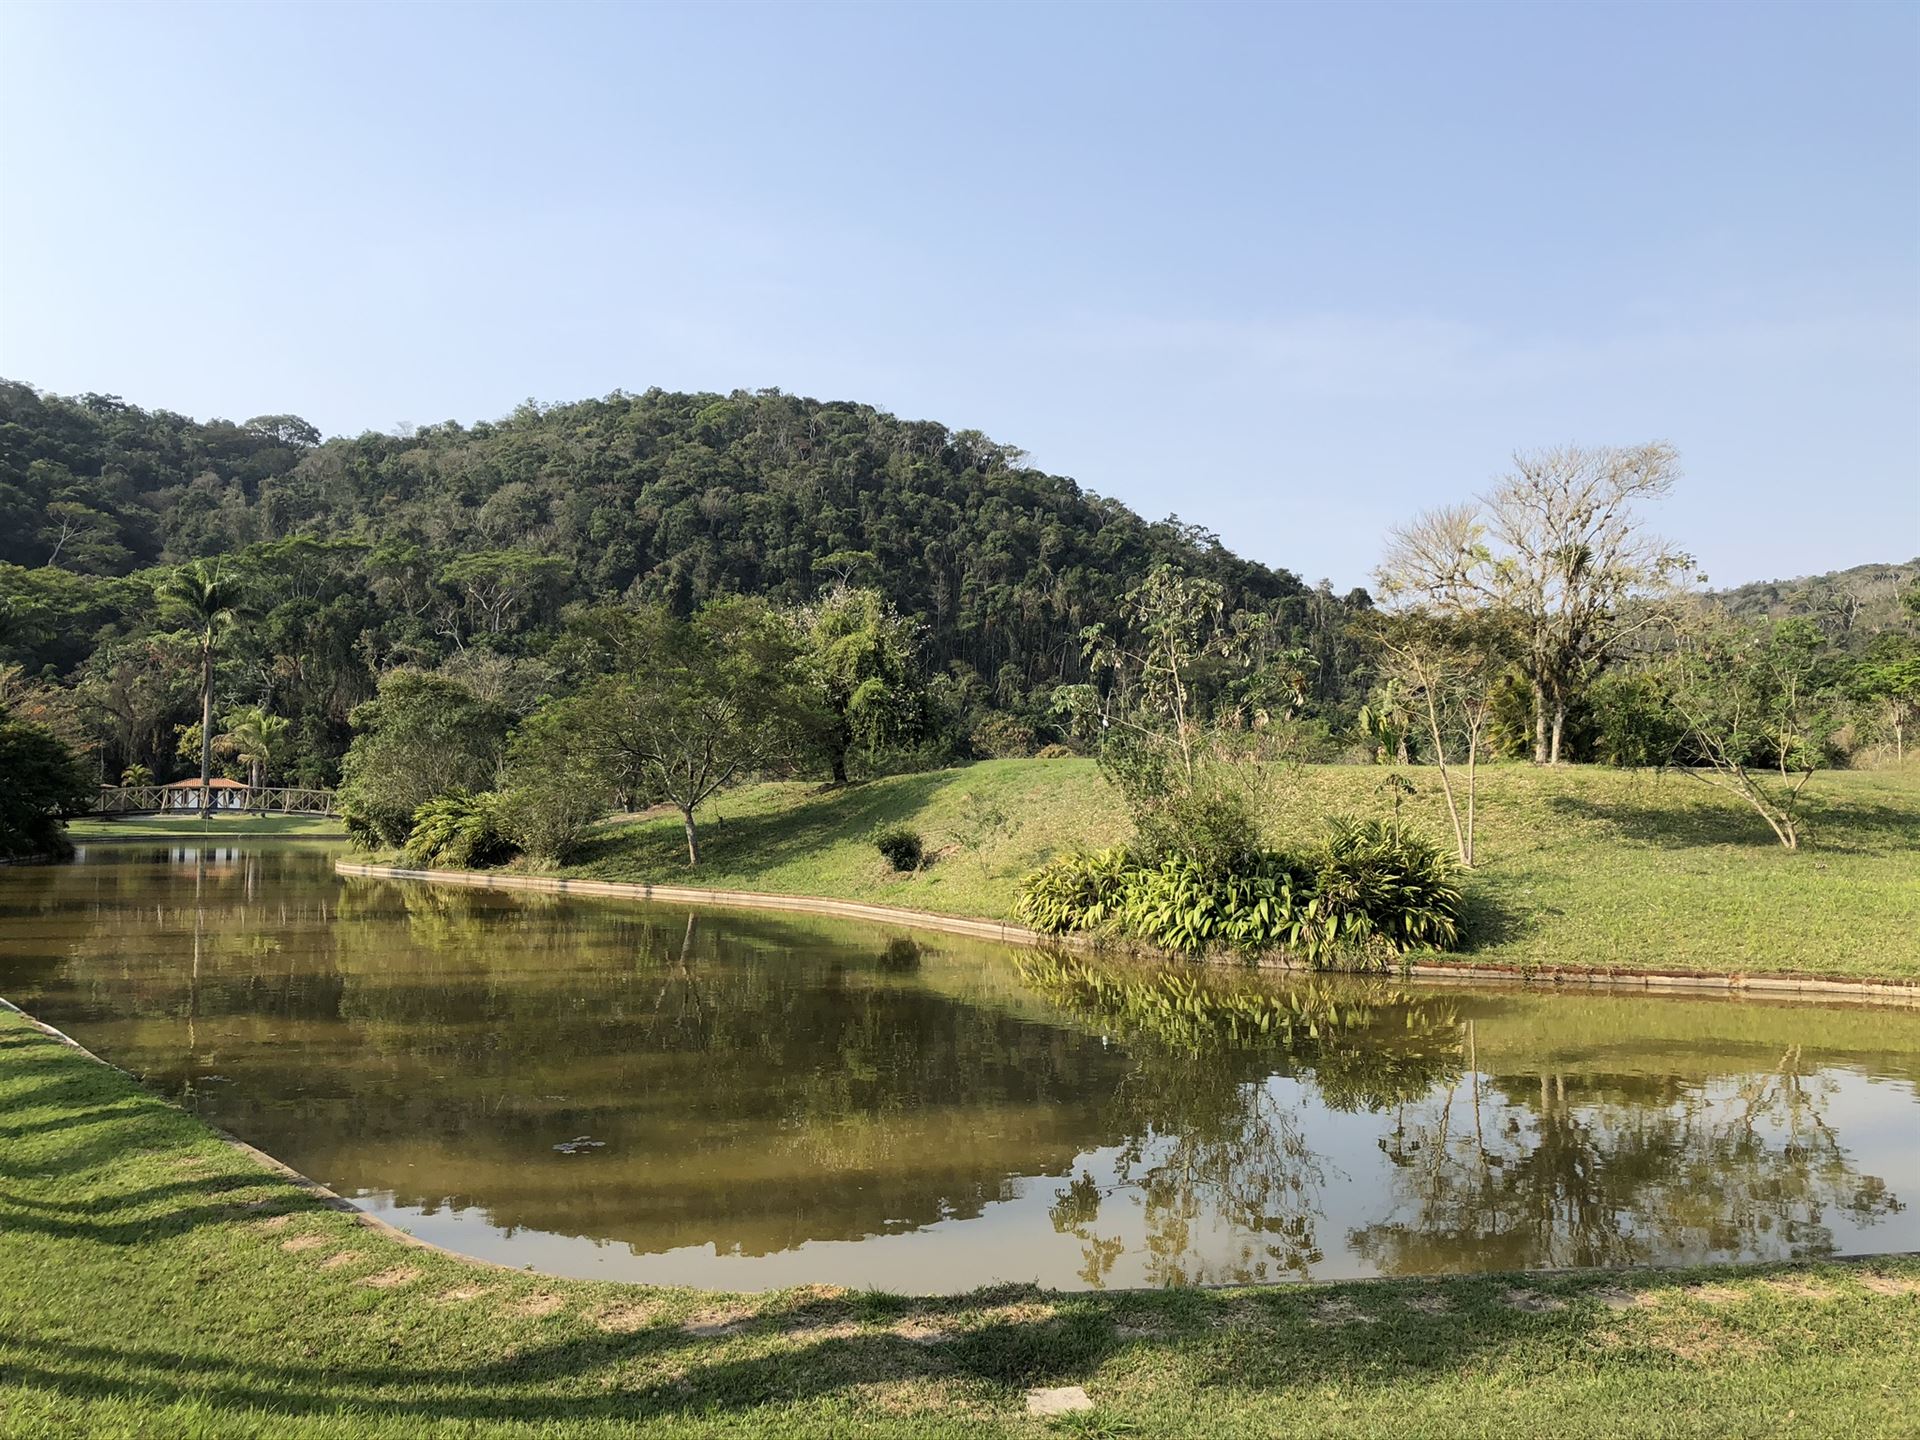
pixel 556 782
pixel 1556 542
pixel 1158 742
pixel 1634 721
pixel 46 781
pixel 1890 682
pixel 422 736
pixel 494 584
pixel 208 599
pixel 860 653
pixel 700 703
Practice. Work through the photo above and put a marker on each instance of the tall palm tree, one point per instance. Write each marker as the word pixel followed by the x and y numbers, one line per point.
pixel 209 600
pixel 253 738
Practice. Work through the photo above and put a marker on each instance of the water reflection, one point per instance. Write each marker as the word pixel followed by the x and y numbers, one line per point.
pixel 737 1100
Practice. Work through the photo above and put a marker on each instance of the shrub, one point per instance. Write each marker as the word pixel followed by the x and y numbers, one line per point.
pixel 42 781
pixel 1055 751
pixel 1634 721
pixel 555 786
pixel 1376 888
pixel 1371 891
pixel 1080 891
pixel 458 831
pixel 902 847
pixel 1000 736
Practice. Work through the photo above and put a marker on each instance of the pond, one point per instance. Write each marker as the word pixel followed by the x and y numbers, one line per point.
pixel 719 1098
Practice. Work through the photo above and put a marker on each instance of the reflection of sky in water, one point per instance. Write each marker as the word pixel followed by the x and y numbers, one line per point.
pixel 784 1102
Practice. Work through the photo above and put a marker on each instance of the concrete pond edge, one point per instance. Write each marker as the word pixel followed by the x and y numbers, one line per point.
pixel 1813 988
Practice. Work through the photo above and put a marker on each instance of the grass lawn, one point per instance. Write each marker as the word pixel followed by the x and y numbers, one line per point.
pixel 155 1281
pixel 218 827
pixel 1581 868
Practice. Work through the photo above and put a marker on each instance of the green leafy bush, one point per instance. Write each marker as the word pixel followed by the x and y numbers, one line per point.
pixel 999 736
pixel 1370 892
pixel 1055 751
pixel 1074 892
pixel 903 848
pixel 42 782
pixel 554 788
pixel 458 831
pixel 1376 888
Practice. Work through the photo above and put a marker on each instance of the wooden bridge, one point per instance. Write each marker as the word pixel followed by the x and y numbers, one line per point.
pixel 223 797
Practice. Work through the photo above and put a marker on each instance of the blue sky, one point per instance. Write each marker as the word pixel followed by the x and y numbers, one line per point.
pixel 1291 272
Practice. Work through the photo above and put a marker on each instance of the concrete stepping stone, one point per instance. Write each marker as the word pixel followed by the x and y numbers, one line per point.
pixel 1064 1400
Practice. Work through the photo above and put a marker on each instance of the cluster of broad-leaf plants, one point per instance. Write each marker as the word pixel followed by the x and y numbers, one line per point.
pixel 458 831
pixel 1369 892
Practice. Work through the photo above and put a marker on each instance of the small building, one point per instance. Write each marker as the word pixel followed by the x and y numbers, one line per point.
pixel 222 794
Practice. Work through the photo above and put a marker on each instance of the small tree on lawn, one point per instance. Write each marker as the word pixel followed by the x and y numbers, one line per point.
pixel 1447 668
pixel 702 703
pixel 1747 709
pixel 1890 682
pixel 1149 712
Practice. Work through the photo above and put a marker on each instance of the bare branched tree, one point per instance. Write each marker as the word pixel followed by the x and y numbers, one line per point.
pixel 1558 543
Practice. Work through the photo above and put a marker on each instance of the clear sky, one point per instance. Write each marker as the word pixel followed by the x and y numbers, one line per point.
pixel 1292 272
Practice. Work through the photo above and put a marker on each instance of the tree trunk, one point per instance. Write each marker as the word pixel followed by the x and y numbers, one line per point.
pixel 1559 726
pixel 693 837
pixel 1540 751
pixel 1473 760
pixel 839 765
pixel 206 731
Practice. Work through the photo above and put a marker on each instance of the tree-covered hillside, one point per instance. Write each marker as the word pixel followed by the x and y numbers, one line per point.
pixel 459 540
pixel 1851 607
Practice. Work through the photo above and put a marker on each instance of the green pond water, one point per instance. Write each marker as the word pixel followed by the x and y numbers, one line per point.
pixel 717 1098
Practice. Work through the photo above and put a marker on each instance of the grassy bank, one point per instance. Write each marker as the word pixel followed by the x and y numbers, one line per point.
pixel 1582 868
pixel 154 1281
pixel 218 827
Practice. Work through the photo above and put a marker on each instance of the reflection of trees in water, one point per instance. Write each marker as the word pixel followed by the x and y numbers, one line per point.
pixel 1557 1170
pixel 765 1081
pixel 1215 1156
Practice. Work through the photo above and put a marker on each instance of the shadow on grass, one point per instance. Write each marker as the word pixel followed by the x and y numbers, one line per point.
pixel 664 1370
pixel 1487 921
pixel 656 848
pixel 1846 826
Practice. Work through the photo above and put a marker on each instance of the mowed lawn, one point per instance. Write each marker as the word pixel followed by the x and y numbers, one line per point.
pixel 217 827
pixel 155 1281
pixel 1580 868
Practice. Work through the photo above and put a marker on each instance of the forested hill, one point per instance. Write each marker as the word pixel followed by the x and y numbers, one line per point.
pixel 486 531
pixel 1850 606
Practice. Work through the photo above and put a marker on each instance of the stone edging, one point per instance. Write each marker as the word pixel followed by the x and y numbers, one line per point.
pixel 1770 986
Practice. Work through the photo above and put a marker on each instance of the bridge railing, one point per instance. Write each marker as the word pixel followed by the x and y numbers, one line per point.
pixel 185 800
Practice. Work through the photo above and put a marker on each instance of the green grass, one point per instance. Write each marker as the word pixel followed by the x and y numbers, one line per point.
pixel 155 1281
pixel 1581 868
pixel 218 827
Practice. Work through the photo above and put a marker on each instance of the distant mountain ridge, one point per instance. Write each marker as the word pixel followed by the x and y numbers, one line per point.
pixel 1850 605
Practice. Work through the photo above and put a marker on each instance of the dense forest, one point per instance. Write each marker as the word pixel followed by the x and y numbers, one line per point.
pixel 465 547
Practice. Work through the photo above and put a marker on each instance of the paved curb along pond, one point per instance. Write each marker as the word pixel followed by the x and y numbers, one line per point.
pixel 1881 992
